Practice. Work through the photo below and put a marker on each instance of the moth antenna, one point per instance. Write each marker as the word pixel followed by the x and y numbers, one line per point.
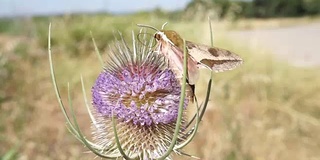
pixel 148 26
pixel 141 41
pixel 162 27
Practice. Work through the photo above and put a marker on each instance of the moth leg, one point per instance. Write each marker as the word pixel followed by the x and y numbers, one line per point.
pixel 192 89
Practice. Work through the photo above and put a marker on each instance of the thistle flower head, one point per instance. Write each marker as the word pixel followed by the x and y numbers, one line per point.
pixel 143 95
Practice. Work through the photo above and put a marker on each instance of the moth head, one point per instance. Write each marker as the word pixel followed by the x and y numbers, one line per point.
pixel 169 36
pixel 166 36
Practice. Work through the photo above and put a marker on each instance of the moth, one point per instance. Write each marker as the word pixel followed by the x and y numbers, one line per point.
pixel 170 44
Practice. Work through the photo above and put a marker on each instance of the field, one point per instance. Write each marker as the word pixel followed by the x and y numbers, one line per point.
pixel 264 110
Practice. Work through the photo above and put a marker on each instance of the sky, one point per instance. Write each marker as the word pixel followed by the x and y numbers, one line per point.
pixel 45 7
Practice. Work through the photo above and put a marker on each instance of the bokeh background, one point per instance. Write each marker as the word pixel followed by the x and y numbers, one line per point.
pixel 267 109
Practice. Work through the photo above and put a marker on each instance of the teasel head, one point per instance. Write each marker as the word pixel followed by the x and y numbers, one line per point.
pixel 138 105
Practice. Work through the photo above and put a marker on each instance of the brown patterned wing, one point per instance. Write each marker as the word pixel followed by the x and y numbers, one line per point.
pixel 216 59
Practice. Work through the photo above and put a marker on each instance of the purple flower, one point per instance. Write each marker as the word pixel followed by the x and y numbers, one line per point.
pixel 143 94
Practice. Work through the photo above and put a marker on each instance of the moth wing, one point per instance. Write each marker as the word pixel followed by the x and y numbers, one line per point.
pixel 216 59
pixel 176 56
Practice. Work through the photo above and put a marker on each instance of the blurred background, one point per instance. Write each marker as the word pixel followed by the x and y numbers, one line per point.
pixel 267 109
